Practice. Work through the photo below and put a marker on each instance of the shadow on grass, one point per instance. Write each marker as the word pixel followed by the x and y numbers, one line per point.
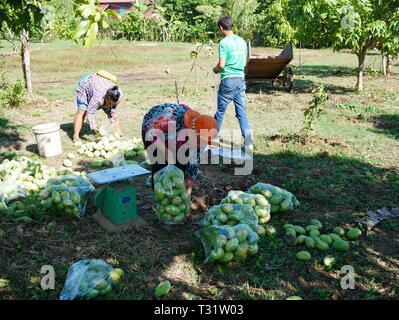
pixel 323 71
pixel 300 86
pixel 84 132
pixel 10 137
pixel 387 124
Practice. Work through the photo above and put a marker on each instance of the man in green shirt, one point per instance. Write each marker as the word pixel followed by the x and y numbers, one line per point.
pixel 232 61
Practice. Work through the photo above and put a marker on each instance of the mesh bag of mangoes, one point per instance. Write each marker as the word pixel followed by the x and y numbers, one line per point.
pixel 258 202
pixel 67 194
pixel 172 202
pixel 90 278
pixel 231 215
pixel 226 243
pixel 281 200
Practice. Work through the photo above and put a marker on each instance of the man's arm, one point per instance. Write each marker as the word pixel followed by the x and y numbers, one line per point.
pixel 219 67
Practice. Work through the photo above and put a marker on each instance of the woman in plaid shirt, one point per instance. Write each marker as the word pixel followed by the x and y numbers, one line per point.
pixel 94 93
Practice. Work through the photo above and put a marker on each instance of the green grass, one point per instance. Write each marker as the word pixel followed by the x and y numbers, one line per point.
pixel 348 167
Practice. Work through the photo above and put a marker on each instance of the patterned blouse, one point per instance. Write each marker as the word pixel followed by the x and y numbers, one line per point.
pixel 92 92
pixel 158 117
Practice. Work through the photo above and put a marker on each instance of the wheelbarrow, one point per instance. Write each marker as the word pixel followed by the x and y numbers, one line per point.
pixel 271 68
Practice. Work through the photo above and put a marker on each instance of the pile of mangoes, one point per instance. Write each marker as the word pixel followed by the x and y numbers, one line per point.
pixel 66 194
pixel 88 279
pixel 226 243
pixel 28 174
pixel 312 238
pixel 172 202
pixel 231 215
pixel 258 202
pixel 108 145
pixel 281 200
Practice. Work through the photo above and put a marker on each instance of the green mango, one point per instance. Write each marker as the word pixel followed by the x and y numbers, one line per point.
pixel 172 210
pixel 260 230
pixel 339 231
pixel 241 252
pixel 291 230
pixel 253 249
pixel 167 183
pixel 261 212
pixel 227 209
pixel 294 298
pixel 228 256
pixel 300 230
pixel 334 237
pixel 311 227
pixel 221 240
pixel 236 215
pixel 288 226
pixel 178 218
pixel 316 223
pixel 253 237
pixel 266 193
pixel 353 234
pixel 276 199
pixel 222 217
pixel 326 238
pixel 165 202
pixel 321 245
pixel 309 243
pixel 93 293
pixel 217 253
pixel 301 239
pixel 314 233
pixel 286 205
pixel 177 201
pixel 230 233
pixel 242 235
pixel 231 245
pixel 341 245
pixel 162 289
pixel 261 201
pixel 303 256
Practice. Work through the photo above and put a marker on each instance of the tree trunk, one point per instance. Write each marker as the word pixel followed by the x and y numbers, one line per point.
pixel 25 57
pixel 389 65
pixel 384 64
pixel 360 70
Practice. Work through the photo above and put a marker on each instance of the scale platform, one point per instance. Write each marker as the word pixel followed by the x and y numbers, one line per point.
pixel 118 174
pixel 117 201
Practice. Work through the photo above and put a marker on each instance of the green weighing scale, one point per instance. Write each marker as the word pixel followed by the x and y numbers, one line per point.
pixel 116 200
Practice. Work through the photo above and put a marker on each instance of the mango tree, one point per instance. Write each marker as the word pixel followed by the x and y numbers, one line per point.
pixel 357 25
pixel 22 17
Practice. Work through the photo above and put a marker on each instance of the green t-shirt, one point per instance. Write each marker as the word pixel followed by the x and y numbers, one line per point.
pixel 234 48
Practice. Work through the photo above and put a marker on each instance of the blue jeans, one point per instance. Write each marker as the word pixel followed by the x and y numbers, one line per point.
pixel 233 89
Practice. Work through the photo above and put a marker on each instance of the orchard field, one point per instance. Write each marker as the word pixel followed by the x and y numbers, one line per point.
pixel 348 167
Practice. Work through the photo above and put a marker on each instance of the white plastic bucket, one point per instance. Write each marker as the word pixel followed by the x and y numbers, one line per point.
pixel 48 139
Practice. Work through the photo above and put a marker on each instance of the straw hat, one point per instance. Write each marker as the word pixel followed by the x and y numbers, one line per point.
pixel 198 122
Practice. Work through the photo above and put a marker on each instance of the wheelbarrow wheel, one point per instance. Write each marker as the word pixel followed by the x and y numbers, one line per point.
pixel 288 79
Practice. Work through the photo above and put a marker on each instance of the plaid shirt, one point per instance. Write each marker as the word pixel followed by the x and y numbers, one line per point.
pixel 92 92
